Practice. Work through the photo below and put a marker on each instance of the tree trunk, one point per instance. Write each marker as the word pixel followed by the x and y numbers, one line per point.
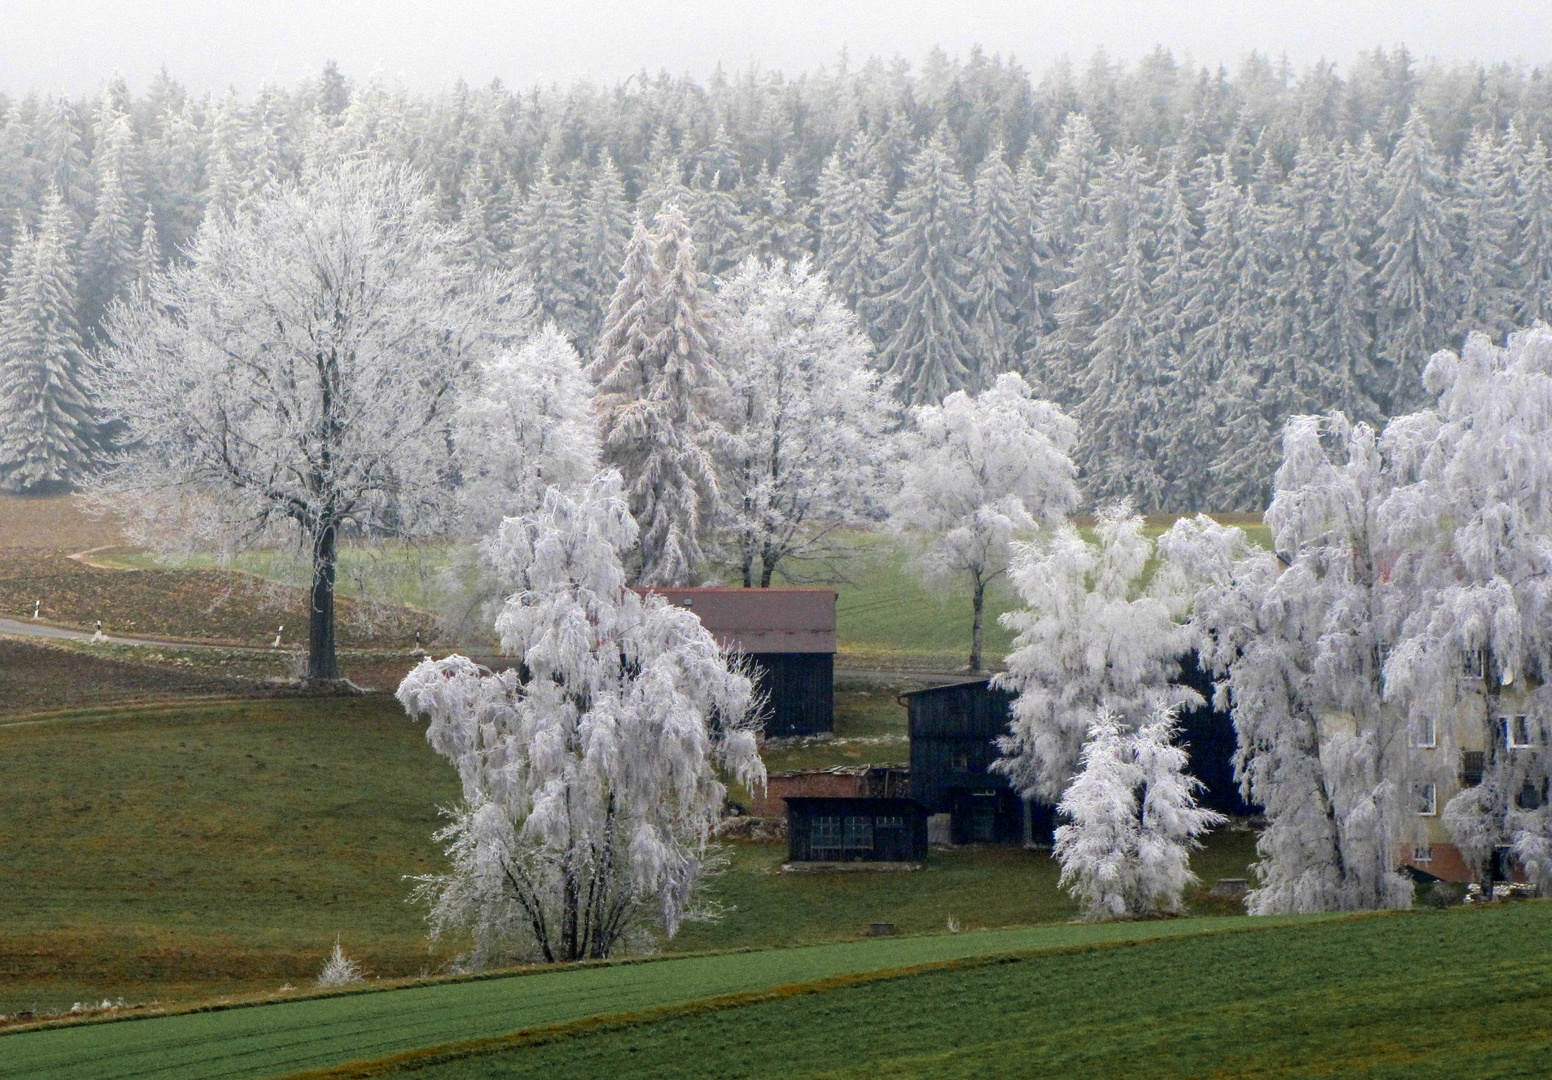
pixel 322 663
pixel 977 623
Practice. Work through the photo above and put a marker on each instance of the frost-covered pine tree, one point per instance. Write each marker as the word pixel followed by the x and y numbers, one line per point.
pixel 1533 259
pixel 659 396
pixel 593 770
pixel 716 224
pixel 605 230
pixel 1484 212
pixel 546 243
pixel 775 230
pixel 807 418
pixel 1415 311
pixel 977 471
pixel 851 223
pixel 1343 320
pixel 48 432
pixel 1001 263
pixel 929 348
pixel 1132 822
pixel 1089 639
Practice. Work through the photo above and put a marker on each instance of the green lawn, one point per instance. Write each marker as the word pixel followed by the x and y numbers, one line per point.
pixel 290 1037
pixel 1441 994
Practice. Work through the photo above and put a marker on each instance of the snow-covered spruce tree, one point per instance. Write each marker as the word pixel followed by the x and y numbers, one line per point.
pixel 659 391
pixel 1299 641
pixel 1132 822
pixel 605 230
pixel 590 772
pixel 1533 260
pixel 807 419
pixel 1475 647
pixel 1484 209
pixel 974 473
pixel 301 369
pixel 546 243
pixel 1089 639
pixel 929 348
pixel 48 434
pixel 1001 254
pixel 1414 309
pixel 851 223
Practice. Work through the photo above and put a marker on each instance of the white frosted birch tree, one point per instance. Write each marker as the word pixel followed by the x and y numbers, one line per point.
pixel 593 772
pixel 302 368
pixel 977 471
pixel 807 449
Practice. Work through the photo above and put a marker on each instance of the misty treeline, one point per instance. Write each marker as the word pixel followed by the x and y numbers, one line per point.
pixel 1180 258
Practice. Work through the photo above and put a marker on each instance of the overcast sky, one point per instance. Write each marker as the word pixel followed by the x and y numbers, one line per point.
pixel 73 45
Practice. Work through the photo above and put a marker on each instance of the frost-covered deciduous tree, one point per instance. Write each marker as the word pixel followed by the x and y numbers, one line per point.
pixel 1089 640
pixel 808 417
pixel 1300 641
pixel 302 368
pixel 1476 645
pixel 591 771
pixel 1132 822
pixel 975 472
pixel 524 424
pixel 48 434
pixel 659 395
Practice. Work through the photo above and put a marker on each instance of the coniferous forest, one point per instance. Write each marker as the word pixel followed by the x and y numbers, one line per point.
pixel 1180 258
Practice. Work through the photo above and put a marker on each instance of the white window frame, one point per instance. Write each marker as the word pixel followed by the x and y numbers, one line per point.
pixel 1427 799
pixel 1422 853
pixel 1425 738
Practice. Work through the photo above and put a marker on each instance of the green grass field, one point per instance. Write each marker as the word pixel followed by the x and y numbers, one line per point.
pixel 289 1037
pixel 1426 994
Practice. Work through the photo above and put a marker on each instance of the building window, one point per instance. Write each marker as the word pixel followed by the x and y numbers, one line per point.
pixel 1424 735
pixel 1475 664
pixel 889 823
pixel 1514 731
pixel 825 833
pixel 1427 799
pixel 1422 853
pixel 858 835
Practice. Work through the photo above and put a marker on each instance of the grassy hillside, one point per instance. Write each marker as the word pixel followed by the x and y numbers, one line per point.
pixel 283 1038
pixel 1437 994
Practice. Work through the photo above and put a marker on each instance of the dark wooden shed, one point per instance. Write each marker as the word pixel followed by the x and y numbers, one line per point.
pixel 856 830
pixel 789 634
pixel 954 730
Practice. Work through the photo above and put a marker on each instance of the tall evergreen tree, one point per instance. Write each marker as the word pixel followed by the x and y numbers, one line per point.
pixel 1001 260
pixel 546 242
pixel 657 384
pixel 1345 305
pixel 1415 315
pixel 1534 265
pixel 46 427
pixel 851 223
pixel 929 348
pixel 1484 213
pixel 606 229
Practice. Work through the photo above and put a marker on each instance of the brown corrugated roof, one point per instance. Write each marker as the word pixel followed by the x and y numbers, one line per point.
pixel 762 620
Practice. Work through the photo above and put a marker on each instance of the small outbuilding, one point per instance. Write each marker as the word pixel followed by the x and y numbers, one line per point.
pixel 789 634
pixel 856 830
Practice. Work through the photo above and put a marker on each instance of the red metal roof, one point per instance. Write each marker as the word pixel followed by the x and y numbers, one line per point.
pixel 762 620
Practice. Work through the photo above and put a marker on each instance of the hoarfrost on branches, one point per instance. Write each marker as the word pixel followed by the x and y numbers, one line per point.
pixel 975 472
pixel 1133 820
pixel 590 771
pixel 807 445
pixel 302 368
pixel 1089 640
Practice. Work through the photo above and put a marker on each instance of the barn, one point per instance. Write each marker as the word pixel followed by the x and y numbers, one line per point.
pixel 953 744
pixel 954 729
pixel 789 634
pixel 856 830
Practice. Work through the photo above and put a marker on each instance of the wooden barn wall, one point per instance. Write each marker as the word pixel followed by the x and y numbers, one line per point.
pixel 905 844
pixel 800 689
pixel 952 742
